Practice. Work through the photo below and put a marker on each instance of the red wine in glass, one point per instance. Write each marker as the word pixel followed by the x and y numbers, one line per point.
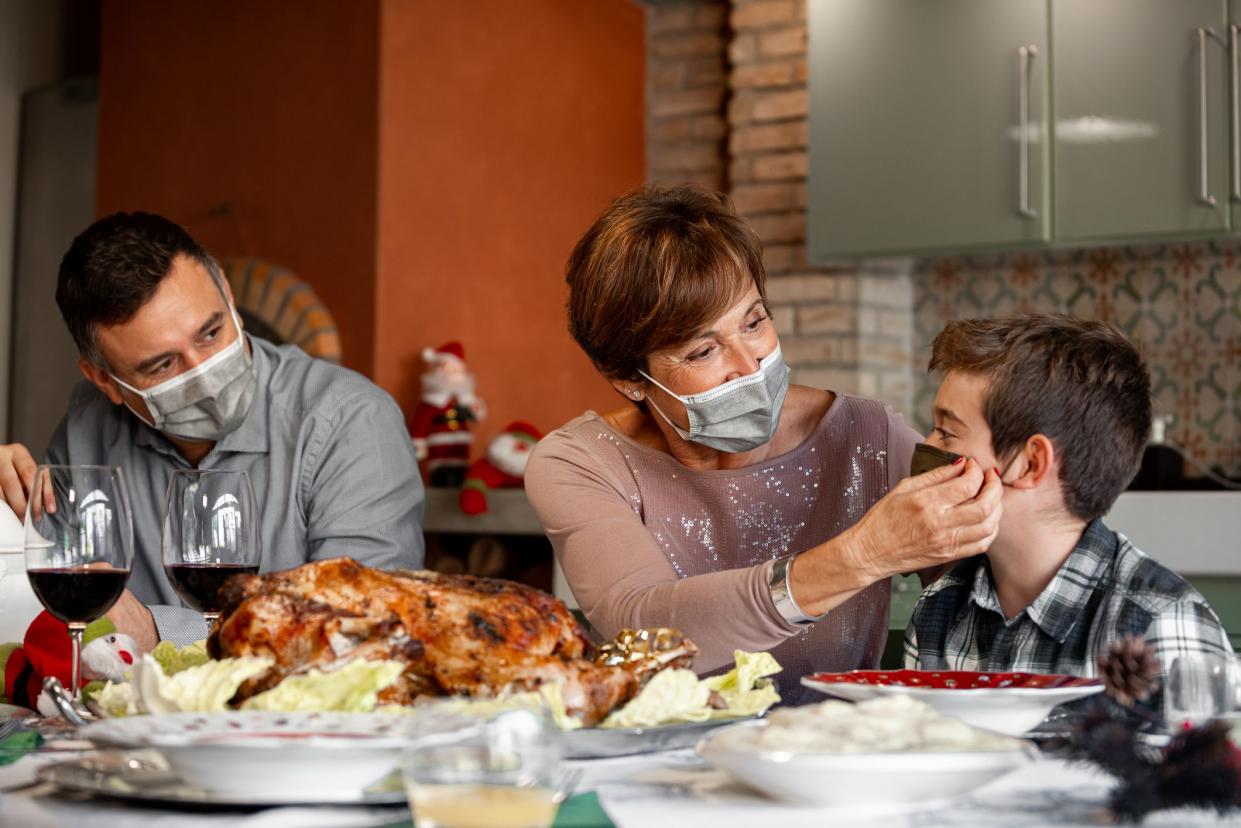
pixel 199 584
pixel 78 595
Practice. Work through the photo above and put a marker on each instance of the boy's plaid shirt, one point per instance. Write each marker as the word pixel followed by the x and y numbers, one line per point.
pixel 1106 588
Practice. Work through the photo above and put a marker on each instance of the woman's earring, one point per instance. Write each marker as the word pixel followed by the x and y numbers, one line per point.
pixel 635 393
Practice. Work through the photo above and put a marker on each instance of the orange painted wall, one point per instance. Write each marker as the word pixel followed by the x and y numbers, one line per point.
pixel 505 128
pixel 255 125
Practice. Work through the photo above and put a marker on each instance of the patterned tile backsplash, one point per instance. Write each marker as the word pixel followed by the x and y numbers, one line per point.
pixel 1181 302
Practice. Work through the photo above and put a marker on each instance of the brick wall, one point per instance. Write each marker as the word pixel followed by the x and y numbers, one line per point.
pixel 686 82
pixel 727 107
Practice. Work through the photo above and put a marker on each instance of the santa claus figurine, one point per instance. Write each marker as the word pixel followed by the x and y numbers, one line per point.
pixel 503 467
pixel 442 423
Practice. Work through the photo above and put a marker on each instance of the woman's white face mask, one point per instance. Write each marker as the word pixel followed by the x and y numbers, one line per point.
pixel 207 401
pixel 739 415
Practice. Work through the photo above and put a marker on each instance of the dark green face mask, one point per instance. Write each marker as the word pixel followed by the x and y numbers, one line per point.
pixel 927 457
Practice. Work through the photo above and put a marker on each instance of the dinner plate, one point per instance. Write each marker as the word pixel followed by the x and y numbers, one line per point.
pixel 13 711
pixel 145 776
pixel 850 779
pixel 256 754
pixel 604 742
pixel 1011 703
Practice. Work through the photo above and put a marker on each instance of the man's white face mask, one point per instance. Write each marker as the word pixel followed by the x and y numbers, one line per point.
pixel 207 401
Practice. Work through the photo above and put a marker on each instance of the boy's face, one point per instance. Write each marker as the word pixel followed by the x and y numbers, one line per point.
pixel 958 416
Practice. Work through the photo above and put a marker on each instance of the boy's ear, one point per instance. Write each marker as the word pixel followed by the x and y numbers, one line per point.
pixel 1039 456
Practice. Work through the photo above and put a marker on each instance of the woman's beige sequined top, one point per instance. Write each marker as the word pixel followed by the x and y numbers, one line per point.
pixel 646 542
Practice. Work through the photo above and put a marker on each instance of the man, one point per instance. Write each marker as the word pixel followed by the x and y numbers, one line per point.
pixel 173 383
pixel 1061 408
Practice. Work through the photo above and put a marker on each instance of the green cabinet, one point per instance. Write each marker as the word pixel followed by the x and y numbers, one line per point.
pixel 917 112
pixel 1142 139
pixel 958 125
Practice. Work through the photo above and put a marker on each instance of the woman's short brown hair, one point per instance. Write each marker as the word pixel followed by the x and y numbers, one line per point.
pixel 1080 383
pixel 657 266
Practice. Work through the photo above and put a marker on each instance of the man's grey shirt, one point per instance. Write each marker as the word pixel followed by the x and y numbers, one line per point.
pixel 329 457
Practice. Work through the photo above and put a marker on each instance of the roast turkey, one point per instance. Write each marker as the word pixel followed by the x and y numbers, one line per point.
pixel 458 635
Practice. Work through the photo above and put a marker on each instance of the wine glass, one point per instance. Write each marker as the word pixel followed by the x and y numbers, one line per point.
pixel 1199 688
pixel 79 541
pixel 210 534
pixel 462 769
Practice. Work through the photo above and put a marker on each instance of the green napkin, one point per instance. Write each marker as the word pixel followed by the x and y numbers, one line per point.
pixel 18 745
pixel 581 811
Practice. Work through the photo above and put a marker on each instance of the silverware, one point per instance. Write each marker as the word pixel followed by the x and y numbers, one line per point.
pixel 64 703
pixel 9 727
pixel 568 783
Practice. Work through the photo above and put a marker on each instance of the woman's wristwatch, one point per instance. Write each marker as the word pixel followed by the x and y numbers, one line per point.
pixel 782 594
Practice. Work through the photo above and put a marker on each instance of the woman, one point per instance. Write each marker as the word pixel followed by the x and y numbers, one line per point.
pixel 747 512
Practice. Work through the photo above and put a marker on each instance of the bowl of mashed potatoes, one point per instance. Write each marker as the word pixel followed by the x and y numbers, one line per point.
pixel 888 750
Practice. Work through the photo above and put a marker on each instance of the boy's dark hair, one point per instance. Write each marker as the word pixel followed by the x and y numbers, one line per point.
pixel 114 267
pixel 1080 383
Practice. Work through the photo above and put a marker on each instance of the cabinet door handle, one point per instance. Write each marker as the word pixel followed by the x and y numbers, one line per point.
pixel 1236 114
pixel 1204 185
pixel 1024 55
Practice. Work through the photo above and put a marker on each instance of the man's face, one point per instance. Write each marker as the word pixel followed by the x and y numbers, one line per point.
pixel 958 416
pixel 183 324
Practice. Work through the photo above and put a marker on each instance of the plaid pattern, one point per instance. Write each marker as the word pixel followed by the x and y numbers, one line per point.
pixel 1106 588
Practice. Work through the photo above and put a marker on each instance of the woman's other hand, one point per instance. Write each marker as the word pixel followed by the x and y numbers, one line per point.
pixel 928 521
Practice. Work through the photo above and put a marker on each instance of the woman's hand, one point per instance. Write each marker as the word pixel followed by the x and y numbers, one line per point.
pixel 927 521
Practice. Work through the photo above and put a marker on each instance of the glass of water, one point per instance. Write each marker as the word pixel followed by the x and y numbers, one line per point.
pixel 1199 688
pixel 468 771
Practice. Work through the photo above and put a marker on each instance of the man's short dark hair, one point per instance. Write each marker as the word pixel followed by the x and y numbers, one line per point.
pixel 1083 384
pixel 114 267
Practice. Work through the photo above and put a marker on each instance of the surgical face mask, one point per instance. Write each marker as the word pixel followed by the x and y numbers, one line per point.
pixel 207 401
pixel 927 457
pixel 740 415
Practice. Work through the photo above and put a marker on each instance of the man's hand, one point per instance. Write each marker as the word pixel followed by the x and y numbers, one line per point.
pixel 17 468
pixel 133 618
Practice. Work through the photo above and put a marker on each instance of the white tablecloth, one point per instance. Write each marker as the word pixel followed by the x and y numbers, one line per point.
pixel 671 790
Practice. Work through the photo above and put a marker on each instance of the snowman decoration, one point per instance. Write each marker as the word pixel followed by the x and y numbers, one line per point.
pixel 107 655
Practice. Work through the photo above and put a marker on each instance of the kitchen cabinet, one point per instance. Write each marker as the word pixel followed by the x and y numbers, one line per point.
pixel 1142 99
pixel 969 125
pixel 916 116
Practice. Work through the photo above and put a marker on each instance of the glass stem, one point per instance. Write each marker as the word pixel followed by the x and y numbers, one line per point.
pixel 75 635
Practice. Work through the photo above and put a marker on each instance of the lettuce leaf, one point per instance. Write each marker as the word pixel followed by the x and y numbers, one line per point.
pixel 746 688
pixel 549 697
pixel 670 696
pixel 174 659
pixel 675 696
pixel 201 689
pixel 352 687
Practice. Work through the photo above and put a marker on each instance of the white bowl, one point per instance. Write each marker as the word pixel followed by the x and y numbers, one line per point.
pixel 1004 709
pixel 844 779
pixel 265 753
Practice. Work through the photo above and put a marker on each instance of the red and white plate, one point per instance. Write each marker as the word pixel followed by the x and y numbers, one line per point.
pixel 1010 703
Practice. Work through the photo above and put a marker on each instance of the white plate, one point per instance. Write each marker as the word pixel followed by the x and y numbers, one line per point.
pixel 256 754
pixel 604 742
pixel 145 776
pixel 1010 710
pixel 842 779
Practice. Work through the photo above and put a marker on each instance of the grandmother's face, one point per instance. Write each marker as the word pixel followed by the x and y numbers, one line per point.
pixel 729 347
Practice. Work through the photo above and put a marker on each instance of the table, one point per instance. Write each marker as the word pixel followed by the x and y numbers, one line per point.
pixel 668 790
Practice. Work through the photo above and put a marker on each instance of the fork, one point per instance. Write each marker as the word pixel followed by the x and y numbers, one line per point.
pixel 568 783
pixel 9 727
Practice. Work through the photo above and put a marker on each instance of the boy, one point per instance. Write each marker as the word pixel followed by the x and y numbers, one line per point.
pixel 1061 408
